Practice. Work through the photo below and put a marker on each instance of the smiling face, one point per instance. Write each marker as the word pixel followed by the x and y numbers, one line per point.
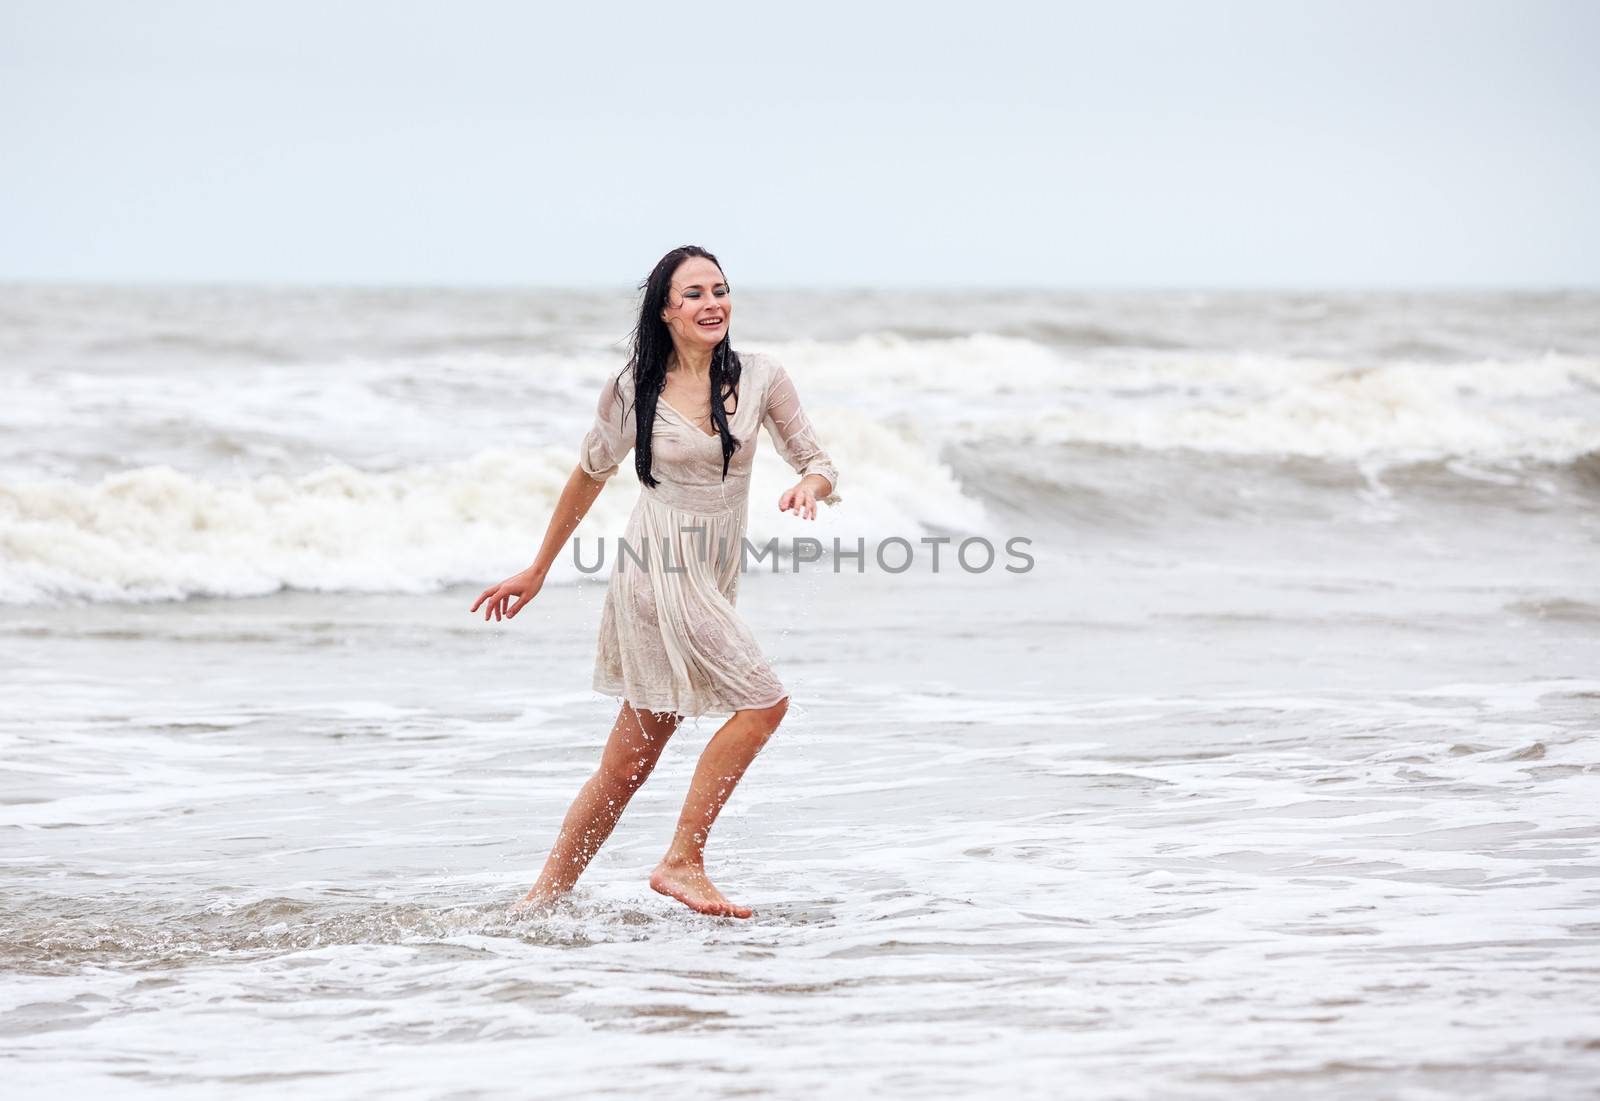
pixel 699 307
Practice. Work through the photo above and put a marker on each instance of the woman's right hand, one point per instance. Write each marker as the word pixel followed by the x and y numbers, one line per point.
pixel 524 586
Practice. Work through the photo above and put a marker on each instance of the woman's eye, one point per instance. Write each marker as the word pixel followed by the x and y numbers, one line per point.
pixel 692 294
pixel 722 292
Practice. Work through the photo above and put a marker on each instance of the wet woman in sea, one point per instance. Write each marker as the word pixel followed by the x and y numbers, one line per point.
pixel 671 643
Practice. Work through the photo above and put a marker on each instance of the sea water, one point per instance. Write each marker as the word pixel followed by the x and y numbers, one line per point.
pixel 1274 774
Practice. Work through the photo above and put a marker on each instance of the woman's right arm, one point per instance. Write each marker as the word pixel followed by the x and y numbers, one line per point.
pixel 605 445
pixel 576 499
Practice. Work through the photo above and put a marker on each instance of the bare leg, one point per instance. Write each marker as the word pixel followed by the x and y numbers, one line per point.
pixel 682 872
pixel 630 755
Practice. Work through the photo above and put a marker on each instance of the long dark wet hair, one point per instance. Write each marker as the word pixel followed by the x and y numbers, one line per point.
pixel 652 347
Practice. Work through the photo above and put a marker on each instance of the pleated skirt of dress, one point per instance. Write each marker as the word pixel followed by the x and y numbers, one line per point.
pixel 670 637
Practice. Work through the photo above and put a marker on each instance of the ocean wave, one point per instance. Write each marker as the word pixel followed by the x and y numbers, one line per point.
pixel 159 533
pixel 985 386
pixel 1542 410
pixel 349 476
pixel 995 387
pixel 1092 488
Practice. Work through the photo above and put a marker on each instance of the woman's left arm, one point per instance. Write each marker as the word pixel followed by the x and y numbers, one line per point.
pixel 797 442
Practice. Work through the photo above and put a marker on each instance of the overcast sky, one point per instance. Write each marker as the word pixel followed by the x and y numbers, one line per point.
pixel 1115 144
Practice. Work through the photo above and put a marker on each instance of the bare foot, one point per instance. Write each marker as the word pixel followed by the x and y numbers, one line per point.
pixel 688 884
pixel 537 899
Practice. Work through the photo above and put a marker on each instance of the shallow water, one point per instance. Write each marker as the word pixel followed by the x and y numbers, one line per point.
pixel 1144 845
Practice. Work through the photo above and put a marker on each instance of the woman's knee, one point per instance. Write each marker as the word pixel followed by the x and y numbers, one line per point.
pixel 635 746
pixel 768 718
pixel 627 773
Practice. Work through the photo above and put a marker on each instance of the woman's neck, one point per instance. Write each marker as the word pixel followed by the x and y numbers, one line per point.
pixel 693 363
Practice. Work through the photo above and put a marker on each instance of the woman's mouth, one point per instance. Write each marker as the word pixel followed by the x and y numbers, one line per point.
pixel 711 323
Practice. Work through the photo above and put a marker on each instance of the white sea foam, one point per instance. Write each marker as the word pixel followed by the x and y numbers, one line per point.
pixel 986 386
pixel 1398 412
pixel 155 533
pixel 374 412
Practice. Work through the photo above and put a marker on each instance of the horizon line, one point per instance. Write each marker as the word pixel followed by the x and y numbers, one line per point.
pixel 886 287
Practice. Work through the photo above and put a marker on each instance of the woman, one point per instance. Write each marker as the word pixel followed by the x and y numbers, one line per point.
pixel 671 644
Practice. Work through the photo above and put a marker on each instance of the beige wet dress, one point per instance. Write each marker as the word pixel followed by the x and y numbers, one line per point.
pixel 670 637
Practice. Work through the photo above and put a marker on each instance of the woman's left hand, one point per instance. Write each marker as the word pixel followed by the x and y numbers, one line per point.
pixel 799 499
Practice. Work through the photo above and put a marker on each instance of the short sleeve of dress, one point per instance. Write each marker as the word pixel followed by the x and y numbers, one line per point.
pixel 792 434
pixel 608 442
